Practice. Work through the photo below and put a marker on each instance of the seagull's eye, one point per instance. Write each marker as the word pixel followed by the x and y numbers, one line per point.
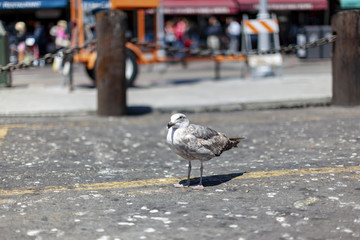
pixel 181 117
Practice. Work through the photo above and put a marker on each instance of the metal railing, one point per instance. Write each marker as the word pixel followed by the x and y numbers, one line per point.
pixel 192 51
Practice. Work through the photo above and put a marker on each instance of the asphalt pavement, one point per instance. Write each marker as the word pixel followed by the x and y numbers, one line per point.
pixel 66 173
pixel 296 176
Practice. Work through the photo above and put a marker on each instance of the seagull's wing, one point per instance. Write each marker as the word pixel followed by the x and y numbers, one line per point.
pixel 208 139
pixel 202 132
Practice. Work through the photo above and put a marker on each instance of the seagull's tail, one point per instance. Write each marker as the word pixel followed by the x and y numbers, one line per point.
pixel 233 142
pixel 229 144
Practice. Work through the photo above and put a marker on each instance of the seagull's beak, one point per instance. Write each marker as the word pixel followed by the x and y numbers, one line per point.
pixel 170 124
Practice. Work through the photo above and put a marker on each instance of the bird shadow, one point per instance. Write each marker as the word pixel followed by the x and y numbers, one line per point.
pixel 215 180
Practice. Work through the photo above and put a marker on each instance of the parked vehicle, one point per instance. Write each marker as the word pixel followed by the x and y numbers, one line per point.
pixel 83 30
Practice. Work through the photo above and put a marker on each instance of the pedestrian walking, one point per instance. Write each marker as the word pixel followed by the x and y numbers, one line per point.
pixel 169 33
pixel 40 37
pixel 63 63
pixel 179 32
pixel 20 28
pixel 62 38
pixel 233 32
pixel 213 32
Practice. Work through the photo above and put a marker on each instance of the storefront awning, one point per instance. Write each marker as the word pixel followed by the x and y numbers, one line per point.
pixel 233 6
pixel 200 7
pixel 284 5
pixel 32 4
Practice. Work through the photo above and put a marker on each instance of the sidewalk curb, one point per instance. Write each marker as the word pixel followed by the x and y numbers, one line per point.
pixel 303 103
pixel 326 101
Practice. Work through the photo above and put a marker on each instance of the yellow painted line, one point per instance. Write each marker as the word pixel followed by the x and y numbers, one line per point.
pixel 5 128
pixel 3 132
pixel 32 126
pixel 13 126
pixel 94 186
pixel 45 125
pixel 168 181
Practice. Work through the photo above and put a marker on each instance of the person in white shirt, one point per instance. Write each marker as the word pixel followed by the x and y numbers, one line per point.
pixel 233 32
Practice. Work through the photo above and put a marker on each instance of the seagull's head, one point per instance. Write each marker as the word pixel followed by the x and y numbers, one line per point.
pixel 178 120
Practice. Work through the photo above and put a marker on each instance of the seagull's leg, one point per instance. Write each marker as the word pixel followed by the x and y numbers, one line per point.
pixel 188 179
pixel 189 171
pixel 201 172
pixel 200 186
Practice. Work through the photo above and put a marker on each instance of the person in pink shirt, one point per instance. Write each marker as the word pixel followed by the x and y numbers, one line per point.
pixel 62 37
pixel 179 32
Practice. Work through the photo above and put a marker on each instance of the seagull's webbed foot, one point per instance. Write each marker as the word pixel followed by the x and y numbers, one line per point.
pixel 198 187
pixel 178 185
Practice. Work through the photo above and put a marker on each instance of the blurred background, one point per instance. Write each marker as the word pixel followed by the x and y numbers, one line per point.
pixel 40 17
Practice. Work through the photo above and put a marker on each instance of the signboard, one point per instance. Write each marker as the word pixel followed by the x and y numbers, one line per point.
pixel 131 4
pixel 285 5
pixel 199 10
pixel 95 4
pixel 31 4
pixel 349 4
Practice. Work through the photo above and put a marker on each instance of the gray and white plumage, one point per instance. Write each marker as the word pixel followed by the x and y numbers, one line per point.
pixel 195 142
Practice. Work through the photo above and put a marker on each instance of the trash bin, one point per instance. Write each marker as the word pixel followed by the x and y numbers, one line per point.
pixel 5 77
pixel 325 31
pixel 307 35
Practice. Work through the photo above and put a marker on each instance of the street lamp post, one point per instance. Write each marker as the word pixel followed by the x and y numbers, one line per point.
pixel 263 41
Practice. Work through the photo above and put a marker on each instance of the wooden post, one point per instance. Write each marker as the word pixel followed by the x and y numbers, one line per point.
pixel 346 58
pixel 110 67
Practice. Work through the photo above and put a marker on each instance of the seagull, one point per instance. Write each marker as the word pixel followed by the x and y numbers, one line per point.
pixel 195 142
